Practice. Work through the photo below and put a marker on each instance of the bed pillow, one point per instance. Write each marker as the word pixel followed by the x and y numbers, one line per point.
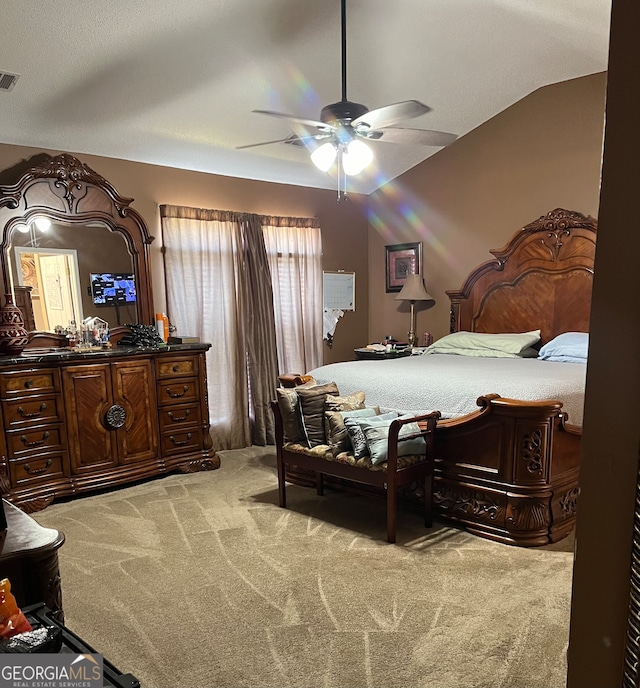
pixel 312 410
pixel 336 430
pixel 569 347
pixel 356 434
pixel 481 344
pixel 289 406
pixel 349 402
pixel 377 437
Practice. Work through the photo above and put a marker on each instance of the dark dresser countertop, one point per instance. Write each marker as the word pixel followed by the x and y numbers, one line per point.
pixel 30 356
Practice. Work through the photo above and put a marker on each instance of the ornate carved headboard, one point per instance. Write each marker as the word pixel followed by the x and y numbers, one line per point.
pixel 541 279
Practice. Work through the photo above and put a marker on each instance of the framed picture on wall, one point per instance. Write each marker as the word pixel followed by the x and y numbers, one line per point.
pixel 402 260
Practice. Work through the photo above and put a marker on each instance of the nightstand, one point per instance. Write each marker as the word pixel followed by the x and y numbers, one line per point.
pixel 373 355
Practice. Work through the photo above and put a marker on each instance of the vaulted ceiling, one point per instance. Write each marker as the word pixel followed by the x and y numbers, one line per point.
pixel 174 83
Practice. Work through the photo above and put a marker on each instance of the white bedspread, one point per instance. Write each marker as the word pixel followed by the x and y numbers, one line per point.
pixel 451 384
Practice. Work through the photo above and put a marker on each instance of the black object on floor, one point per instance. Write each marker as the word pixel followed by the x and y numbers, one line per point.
pixel 41 617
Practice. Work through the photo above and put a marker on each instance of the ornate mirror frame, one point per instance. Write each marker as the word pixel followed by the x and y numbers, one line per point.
pixel 66 190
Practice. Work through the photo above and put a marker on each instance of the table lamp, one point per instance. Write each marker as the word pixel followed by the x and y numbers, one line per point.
pixel 413 290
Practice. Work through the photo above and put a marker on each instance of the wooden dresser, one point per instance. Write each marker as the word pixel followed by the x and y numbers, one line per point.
pixel 78 421
pixel 75 421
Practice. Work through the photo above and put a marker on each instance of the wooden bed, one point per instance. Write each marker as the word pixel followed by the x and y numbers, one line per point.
pixel 509 470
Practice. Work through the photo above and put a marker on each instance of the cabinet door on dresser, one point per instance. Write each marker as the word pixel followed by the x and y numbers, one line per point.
pixel 88 396
pixel 134 391
pixel 111 412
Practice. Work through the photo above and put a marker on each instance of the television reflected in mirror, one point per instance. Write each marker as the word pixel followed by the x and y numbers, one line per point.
pixel 113 288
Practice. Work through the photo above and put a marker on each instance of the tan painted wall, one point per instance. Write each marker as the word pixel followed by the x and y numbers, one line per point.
pixel 543 152
pixel 344 225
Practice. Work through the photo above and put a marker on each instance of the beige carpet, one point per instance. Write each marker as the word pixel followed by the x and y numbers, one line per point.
pixel 201 580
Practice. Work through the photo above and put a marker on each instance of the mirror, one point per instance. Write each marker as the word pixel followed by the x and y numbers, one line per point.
pixel 72 246
pixel 74 272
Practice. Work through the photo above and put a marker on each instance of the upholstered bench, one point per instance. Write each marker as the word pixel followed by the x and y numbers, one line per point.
pixel 394 471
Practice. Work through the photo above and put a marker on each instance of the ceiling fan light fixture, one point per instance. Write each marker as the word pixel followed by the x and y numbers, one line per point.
pixel 42 223
pixel 347 125
pixel 356 156
pixel 324 156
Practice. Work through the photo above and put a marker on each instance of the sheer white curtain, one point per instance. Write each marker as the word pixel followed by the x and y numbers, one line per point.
pixel 203 262
pixel 245 283
pixel 294 251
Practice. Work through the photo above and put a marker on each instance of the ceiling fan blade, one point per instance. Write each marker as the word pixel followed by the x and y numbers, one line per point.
pixel 267 143
pixel 301 140
pixel 421 137
pixel 307 140
pixel 389 115
pixel 300 120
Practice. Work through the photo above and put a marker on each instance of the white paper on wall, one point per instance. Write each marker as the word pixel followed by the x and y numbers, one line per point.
pixel 330 319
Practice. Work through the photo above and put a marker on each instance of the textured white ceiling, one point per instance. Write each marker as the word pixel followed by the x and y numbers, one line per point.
pixel 174 83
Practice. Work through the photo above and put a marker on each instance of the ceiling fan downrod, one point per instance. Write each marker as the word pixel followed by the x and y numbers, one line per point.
pixel 343 111
pixel 343 8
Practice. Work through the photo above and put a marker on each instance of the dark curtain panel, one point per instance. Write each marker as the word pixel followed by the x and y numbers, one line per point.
pixel 260 328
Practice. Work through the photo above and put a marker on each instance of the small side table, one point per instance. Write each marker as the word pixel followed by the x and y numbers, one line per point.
pixel 29 559
pixel 373 355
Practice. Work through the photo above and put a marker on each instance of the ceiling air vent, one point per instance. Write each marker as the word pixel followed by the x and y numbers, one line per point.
pixel 8 81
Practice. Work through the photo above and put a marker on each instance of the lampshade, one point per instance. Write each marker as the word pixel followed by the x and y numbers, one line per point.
pixel 413 290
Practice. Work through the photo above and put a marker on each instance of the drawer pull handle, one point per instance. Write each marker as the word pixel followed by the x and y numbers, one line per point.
pixel 35 443
pixel 28 384
pixel 37 471
pixel 176 368
pixel 179 419
pixel 176 395
pixel 180 443
pixel 35 414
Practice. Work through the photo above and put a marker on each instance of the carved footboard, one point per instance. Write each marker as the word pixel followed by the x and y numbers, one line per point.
pixel 509 471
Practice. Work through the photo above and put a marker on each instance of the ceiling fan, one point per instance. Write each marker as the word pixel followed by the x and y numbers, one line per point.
pixel 344 127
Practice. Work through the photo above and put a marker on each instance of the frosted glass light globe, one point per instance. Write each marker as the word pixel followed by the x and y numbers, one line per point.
pixel 356 157
pixel 324 156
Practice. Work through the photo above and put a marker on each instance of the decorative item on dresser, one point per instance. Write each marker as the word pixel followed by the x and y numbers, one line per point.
pixel 13 335
pixel 78 420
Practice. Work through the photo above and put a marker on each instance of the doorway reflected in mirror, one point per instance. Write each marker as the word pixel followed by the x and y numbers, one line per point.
pixel 54 279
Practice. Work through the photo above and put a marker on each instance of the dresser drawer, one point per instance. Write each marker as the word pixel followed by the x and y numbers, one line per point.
pixel 182 441
pixel 37 469
pixel 178 391
pixel 179 416
pixel 35 441
pixel 28 411
pixel 178 366
pixel 25 382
